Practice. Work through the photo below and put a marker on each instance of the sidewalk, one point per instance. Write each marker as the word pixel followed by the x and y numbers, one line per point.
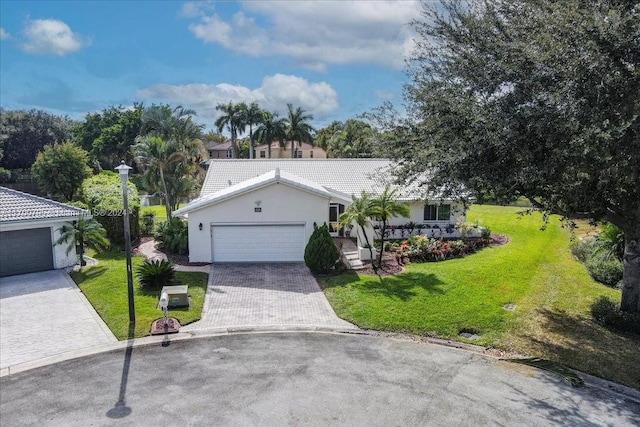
pixel 148 249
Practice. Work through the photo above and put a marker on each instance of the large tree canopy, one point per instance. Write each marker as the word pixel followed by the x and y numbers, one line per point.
pixel 61 168
pixel 539 99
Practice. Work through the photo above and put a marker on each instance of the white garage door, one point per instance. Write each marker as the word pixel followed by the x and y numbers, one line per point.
pixel 258 243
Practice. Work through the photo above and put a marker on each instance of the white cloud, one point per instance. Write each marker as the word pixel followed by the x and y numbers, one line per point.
pixel 273 95
pixel 384 94
pixel 3 34
pixel 50 37
pixel 315 33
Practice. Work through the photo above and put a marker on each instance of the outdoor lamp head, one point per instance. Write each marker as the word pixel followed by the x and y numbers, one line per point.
pixel 164 301
pixel 123 170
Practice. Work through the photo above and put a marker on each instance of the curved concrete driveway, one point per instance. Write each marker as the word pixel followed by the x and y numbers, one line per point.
pixel 254 296
pixel 301 379
pixel 45 314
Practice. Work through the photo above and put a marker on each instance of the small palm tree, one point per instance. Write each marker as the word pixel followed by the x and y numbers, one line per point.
pixel 85 231
pixel 233 119
pixel 360 212
pixel 272 128
pixel 252 115
pixel 298 128
pixel 383 208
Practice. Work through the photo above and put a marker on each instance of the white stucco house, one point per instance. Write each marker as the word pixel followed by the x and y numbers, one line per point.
pixel 265 210
pixel 29 227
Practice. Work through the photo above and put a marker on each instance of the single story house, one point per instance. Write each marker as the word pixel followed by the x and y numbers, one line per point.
pixel 29 227
pixel 265 210
pixel 220 151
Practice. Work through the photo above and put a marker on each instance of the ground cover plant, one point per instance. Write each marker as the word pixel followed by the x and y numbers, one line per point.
pixel 105 286
pixel 535 271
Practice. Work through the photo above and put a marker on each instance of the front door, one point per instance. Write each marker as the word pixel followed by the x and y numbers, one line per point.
pixel 335 210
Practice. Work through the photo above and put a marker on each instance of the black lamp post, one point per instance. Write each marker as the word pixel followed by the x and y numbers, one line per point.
pixel 123 170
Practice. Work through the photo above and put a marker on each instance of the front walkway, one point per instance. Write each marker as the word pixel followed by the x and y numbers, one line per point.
pixel 46 314
pixel 265 296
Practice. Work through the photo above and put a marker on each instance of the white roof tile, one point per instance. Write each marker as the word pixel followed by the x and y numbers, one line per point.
pixel 18 206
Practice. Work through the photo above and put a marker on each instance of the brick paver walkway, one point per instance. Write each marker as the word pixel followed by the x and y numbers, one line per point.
pixel 45 314
pixel 265 295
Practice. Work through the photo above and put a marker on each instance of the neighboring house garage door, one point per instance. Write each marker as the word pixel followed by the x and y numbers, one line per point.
pixel 258 243
pixel 25 251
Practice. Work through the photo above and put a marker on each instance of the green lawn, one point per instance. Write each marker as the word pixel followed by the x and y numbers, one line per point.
pixel 159 210
pixel 535 271
pixel 105 286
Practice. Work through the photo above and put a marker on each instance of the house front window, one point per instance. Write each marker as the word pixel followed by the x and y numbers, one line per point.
pixel 437 212
pixel 263 154
pixel 311 154
pixel 229 154
pixel 299 154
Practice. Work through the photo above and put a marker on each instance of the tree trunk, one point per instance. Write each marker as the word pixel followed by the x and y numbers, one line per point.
pixel 383 230
pixel 166 195
pixel 292 149
pixel 250 141
pixel 630 301
pixel 234 145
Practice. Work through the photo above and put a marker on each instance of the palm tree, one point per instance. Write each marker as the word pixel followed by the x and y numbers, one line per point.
pixel 271 128
pixel 233 119
pixel 154 156
pixel 252 115
pixel 298 128
pixel 360 212
pixel 84 231
pixel 383 208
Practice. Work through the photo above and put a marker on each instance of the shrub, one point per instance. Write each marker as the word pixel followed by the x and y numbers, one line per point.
pixel 606 272
pixel 147 221
pixel 321 254
pixel 581 251
pixel 5 176
pixel 173 236
pixel 607 313
pixel 423 249
pixel 153 275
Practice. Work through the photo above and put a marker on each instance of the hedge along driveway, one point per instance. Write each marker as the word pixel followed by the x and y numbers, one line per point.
pixel 534 270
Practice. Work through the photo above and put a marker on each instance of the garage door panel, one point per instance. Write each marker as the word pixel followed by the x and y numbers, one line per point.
pixel 25 251
pixel 258 243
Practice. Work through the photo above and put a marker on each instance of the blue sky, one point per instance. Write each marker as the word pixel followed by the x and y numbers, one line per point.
pixel 335 59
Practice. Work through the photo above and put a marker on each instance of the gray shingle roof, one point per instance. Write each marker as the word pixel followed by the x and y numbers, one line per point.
pixel 347 176
pixel 18 206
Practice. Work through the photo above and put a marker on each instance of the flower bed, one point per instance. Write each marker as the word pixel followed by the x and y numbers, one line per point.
pixel 424 249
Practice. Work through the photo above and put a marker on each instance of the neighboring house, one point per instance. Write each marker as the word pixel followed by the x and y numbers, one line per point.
pixel 220 151
pixel 301 151
pixel 265 210
pixel 29 226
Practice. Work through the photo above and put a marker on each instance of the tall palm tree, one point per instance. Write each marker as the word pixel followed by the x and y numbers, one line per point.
pixel 298 128
pixel 85 231
pixel 272 128
pixel 360 212
pixel 233 119
pixel 154 156
pixel 383 208
pixel 252 115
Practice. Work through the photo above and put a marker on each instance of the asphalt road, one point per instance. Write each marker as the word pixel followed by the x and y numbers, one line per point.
pixel 300 379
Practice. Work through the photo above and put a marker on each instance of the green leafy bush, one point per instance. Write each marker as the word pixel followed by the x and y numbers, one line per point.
pixel 147 222
pixel 5 176
pixel 173 236
pixel 607 313
pixel 321 254
pixel 606 272
pixel 153 275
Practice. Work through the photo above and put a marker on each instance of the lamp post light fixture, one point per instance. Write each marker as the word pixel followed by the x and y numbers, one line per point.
pixel 123 170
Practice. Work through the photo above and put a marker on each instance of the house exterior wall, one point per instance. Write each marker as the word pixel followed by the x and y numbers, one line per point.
pixel 280 203
pixel 60 257
pixel 285 153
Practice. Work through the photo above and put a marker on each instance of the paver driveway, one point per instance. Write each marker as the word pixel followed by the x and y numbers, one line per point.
pixel 265 296
pixel 45 314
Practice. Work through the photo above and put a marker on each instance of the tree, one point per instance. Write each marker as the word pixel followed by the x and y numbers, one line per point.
pixel 298 128
pixel 61 168
pixel 384 207
pixel 360 212
pixel 84 231
pixel 272 128
pixel 323 137
pixel 538 99
pixel 353 139
pixel 23 134
pixel 321 254
pixel 251 115
pixel 233 119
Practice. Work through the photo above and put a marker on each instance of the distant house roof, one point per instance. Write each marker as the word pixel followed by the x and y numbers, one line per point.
pixel 18 206
pixel 344 177
pixel 271 177
pixel 287 145
pixel 220 147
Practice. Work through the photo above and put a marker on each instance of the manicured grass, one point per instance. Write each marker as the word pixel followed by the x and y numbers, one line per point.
pixel 105 286
pixel 535 271
pixel 159 210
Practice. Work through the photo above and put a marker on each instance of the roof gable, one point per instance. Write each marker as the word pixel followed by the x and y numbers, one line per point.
pixel 18 206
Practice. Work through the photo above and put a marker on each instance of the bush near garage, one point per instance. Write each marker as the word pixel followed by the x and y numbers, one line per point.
pixel 172 236
pixel 321 254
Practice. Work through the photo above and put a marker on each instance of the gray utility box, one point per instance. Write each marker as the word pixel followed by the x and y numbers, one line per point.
pixel 178 296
